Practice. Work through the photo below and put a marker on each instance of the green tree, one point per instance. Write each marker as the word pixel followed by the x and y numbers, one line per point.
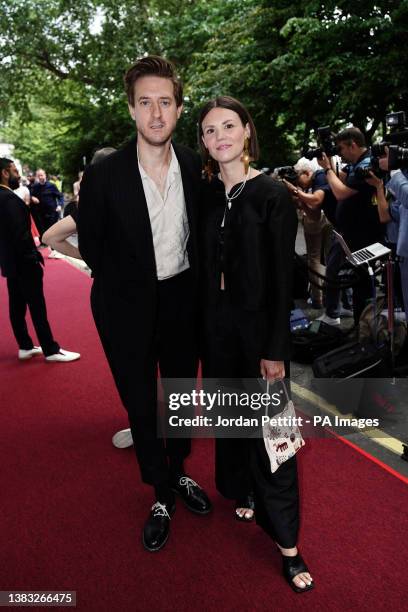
pixel 296 65
pixel 53 55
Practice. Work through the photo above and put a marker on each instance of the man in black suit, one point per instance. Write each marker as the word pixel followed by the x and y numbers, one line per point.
pixel 20 263
pixel 137 232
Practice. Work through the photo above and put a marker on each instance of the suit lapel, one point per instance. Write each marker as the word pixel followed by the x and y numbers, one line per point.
pixel 133 202
pixel 188 187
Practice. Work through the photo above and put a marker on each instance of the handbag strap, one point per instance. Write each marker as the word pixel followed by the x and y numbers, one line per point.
pixel 282 381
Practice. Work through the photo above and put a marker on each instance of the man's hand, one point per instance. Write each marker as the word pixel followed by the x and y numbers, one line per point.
pixel 272 370
pixel 34 200
pixel 383 161
pixel 374 180
pixel 324 162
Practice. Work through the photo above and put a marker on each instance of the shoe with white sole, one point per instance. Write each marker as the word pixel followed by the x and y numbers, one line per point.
pixel 28 353
pixel 329 320
pixel 63 355
pixel 122 439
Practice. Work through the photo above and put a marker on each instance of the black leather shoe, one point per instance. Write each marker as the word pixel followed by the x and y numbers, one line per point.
pixel 192 495
pixel 157 527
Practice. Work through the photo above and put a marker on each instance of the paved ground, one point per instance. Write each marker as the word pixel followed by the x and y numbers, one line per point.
pixel 385 399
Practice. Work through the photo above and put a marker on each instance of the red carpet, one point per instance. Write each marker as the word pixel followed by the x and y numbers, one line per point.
pixel 72 505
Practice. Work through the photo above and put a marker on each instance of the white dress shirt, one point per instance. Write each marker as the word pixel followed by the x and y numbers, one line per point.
pixel 168 219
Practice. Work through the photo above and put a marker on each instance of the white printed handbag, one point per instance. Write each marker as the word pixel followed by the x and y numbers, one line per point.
pixel 283 438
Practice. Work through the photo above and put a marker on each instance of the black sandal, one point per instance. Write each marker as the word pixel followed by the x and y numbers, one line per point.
pixel 248 503
pixel 292 566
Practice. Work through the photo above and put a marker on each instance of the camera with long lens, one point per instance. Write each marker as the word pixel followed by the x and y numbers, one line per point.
pixel 396 140
pixel 326 143
pixel 286 172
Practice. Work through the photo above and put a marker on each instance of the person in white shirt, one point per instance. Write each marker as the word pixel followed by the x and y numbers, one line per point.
pixel 24 193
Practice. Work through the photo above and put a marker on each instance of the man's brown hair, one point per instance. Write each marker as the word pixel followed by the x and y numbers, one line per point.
pixel 350 135
pixel 153 65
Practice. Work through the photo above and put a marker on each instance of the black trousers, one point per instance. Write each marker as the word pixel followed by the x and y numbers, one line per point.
pixel 233 345
pixel 47 218
pixel 135 351
pixel 24 290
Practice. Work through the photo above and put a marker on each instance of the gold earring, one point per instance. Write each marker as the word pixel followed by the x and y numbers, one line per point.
pixel 245 155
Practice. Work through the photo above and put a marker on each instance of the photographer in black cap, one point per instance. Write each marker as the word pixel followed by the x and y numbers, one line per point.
pixel 356 216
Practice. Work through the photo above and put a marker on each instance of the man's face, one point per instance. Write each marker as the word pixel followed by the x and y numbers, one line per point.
pixel 41 177
pixel 155 111
pixel 11 177
pixel 349 153
pixel 305 179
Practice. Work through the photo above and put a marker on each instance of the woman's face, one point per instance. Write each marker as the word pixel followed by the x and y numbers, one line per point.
pixel 224 135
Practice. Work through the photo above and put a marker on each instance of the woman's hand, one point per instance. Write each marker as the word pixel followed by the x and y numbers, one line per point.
pixel 272 370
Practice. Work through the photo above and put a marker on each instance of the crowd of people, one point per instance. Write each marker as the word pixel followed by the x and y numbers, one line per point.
pixel 356 207
pixel 190 264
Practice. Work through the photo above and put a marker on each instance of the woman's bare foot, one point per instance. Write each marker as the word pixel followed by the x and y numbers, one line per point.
pixel 245 512
pixel 245 508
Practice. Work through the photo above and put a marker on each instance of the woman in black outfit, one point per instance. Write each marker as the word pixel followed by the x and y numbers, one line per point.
pixel 248 237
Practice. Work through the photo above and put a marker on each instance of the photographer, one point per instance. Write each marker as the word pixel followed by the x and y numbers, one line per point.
pixel 313 196
pixel 318 204
pixel 396 211
pixel 356 211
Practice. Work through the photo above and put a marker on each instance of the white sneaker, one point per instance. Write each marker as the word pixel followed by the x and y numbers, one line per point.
pixel 63 355
pixel 27 354
pixel 345 312
pixel 329 320
pixel 122 439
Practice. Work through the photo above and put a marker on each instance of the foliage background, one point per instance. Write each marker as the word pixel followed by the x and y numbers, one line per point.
pixel 296 65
